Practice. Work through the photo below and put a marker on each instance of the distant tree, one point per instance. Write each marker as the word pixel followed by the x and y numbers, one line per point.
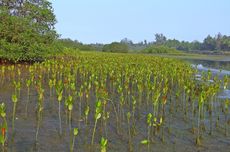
pixel 218 39
pixel 209 43
pixel 26 28
pixel 145 42
pixel 225 43
pixel 160 39
pixel 172 43
pixel 196 45
pixel 116 47
pixel 159 49
pixel 127 41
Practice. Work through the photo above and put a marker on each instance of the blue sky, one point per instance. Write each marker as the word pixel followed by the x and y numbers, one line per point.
pixel 105 21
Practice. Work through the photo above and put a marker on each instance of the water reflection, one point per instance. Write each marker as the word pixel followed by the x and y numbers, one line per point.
pixel 220 68
pixel 224 65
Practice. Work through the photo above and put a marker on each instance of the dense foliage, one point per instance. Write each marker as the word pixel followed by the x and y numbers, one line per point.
pixel 217 43
pixel 134 101
pixel 116 48
pixel 26 29
pixel 68 43
pixel 159 49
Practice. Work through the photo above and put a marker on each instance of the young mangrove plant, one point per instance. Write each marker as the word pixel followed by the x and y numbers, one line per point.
pixel 86 112
pixel 129 131
pixel 15 100
pixel 4 128
pixel 75 133
pixel 226 112
pixel 59 92
pixel 70 108
pixel 200 104
pixel 97 116
pixel 149 124
pixel 103 144
pixel 39 110
pixel 28 84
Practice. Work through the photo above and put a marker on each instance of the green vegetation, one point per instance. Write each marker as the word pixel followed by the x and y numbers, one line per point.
pixel 115 47
pixel 27 32
pixel 139 96
pixel 104 95
pixel 160 50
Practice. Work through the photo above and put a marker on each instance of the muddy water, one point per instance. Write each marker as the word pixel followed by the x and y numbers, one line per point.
pixel 178 134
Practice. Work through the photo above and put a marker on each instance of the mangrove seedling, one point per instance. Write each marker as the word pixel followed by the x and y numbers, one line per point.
pixel 28 84
pixel 86 114
pixel 15 100
pixel 75 133
pixel 97 116
pixel 4 128
pixel 103 144
pixel 129 131
pixel 39 111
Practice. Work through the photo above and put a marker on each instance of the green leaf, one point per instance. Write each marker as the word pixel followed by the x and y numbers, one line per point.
pixel 144 142
pixel 75 131
pixel 70 107
pixel 14 98
pixel 103 142
pixel 98 116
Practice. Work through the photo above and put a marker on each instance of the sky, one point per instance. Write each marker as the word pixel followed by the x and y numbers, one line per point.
pixel 106 21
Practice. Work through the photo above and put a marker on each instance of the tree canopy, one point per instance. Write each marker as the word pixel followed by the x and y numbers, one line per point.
pixel 27 29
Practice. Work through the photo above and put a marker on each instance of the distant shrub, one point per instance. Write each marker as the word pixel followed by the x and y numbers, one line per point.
pixel 159 49
pixel 116 48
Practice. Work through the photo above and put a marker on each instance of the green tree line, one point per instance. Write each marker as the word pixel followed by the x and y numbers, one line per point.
pixel 217 43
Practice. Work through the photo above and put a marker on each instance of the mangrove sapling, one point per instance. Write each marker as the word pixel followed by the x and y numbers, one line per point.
pixel 59 111
pixel 105 114
pixel 121 103
pixel 97 116
pixel 86 112
pixel 15 100
pixel 19 74
pixel 157 124
pixel 70 108
pixel 3 74
pixel 134 101
pixel 80 94
pixel 117 118
pixel 149 124
pixel 39 111
pixel 129 131
pixel 155 105
pixel 200 103
pixel 4 127
pixel 28 84
pixel 103 144
pixel 59 91
pixel 75 133
pixel 210 108
pixel 18 88
pixel 140 91
pixel 105 118
pixel 66 111
pixel 164 101
pixel 226 112
pixel 50 86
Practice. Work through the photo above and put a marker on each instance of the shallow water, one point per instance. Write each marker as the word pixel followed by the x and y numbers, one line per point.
pixel 224 94
pixel 217 65
pixel 219 68
pixel 177 128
